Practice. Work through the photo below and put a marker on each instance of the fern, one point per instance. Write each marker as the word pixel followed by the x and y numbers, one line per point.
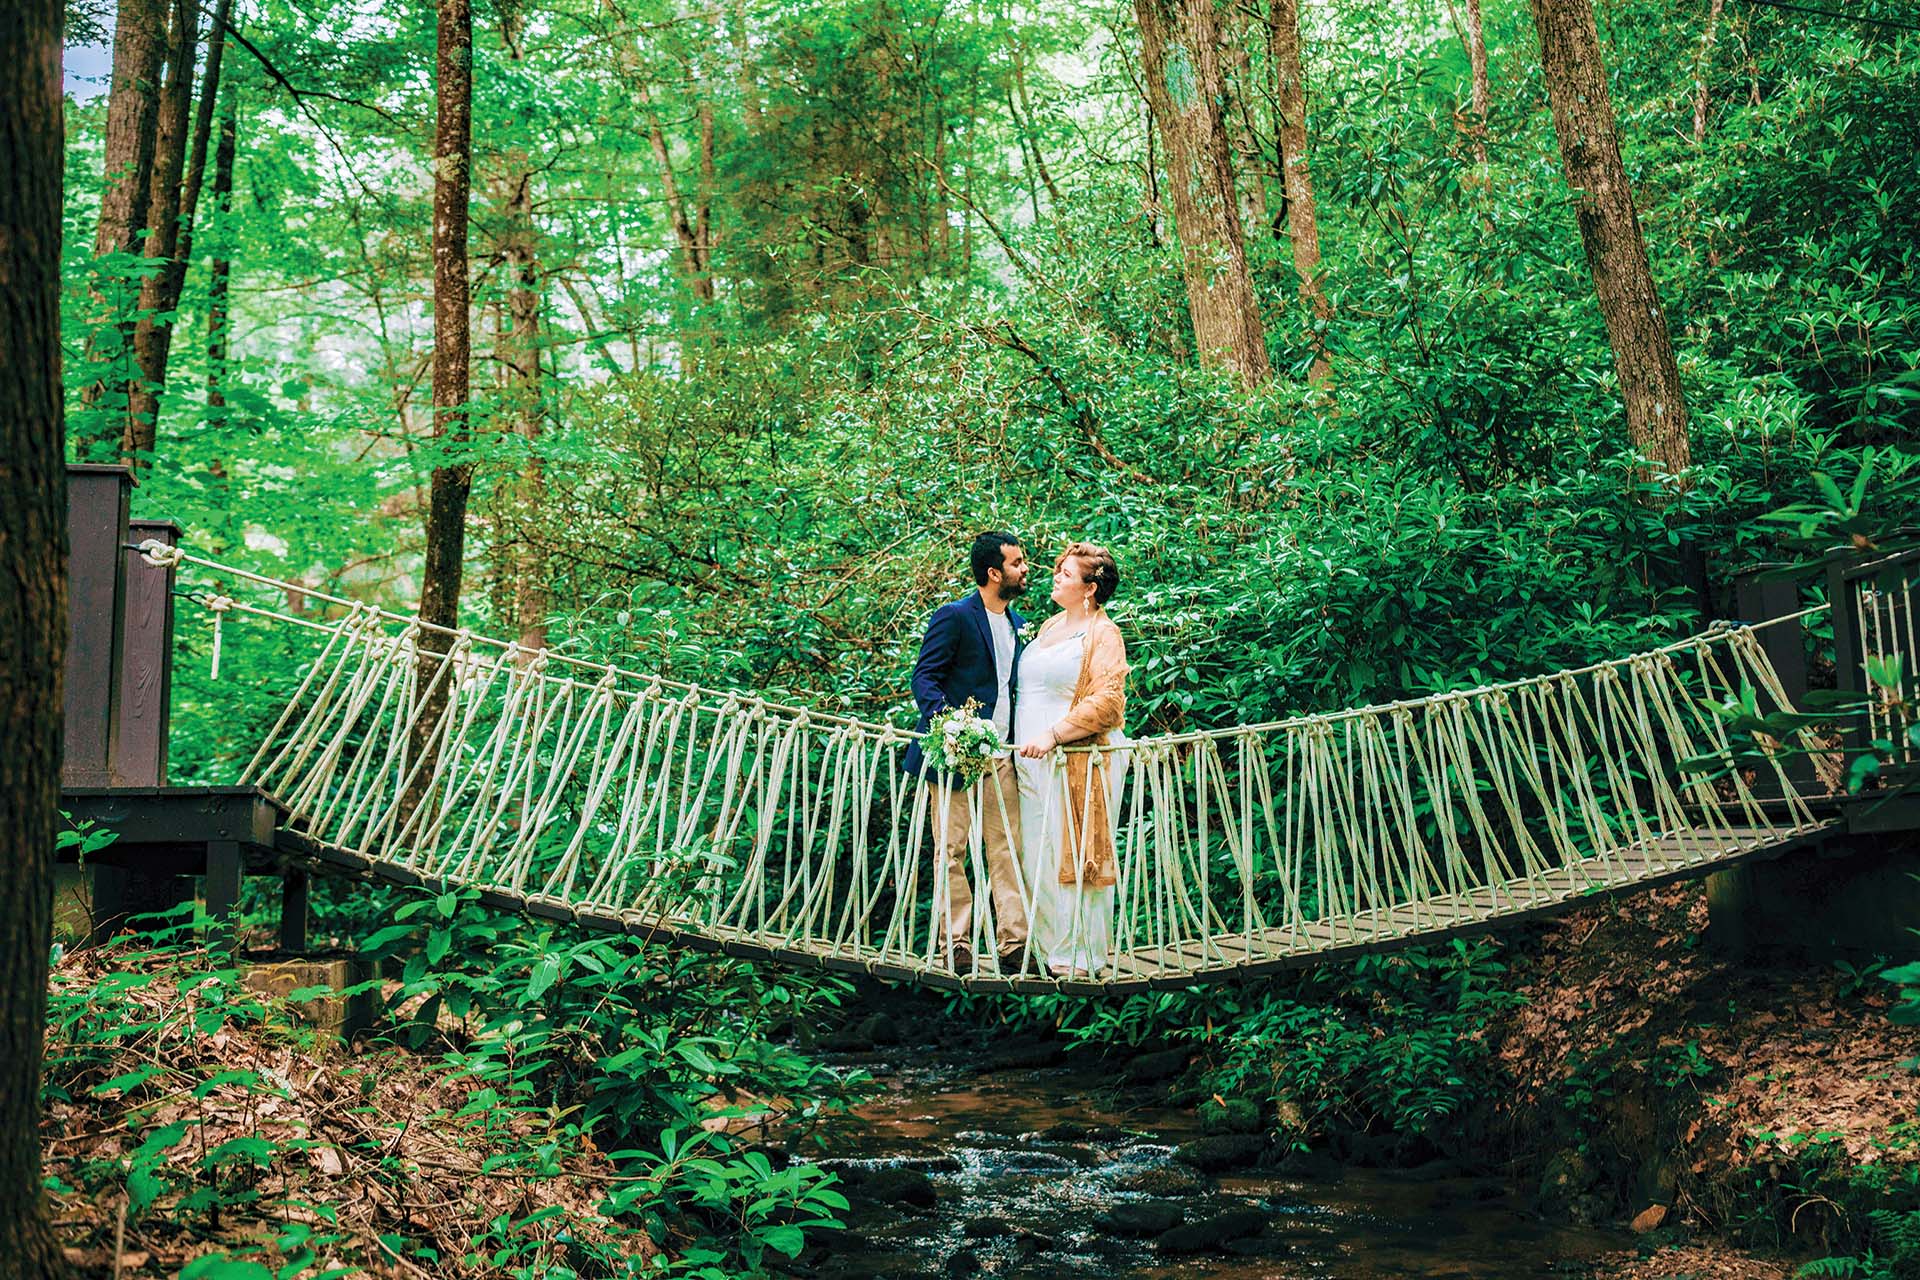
pixel 1899 1230
pixel 1832 1269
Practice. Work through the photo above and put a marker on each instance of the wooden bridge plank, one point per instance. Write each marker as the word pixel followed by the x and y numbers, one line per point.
pixel 1187 961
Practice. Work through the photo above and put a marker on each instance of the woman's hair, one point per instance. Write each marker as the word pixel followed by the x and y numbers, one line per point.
pixel 1097 563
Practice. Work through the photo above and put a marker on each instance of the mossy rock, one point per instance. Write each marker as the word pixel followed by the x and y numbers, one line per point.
pixel 1231 1115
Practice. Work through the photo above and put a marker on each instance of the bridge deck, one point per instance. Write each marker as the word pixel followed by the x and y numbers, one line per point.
pixel 1188 963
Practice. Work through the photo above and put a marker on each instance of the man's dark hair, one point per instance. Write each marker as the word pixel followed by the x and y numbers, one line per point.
pixel 988 553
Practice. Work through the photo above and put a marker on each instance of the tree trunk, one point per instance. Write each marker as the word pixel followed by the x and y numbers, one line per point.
pixel 33 603
pixel 1472 33
pixel 693 252
pixel 1303 223
pixel 452 479
pixel 153 343
pixel 1180 47
pixel 163 239
pixel 520 358
pixel 1701 67
pixel 1610 231
pixel 1024 122
pixel 221 271
pixel 743 67
pixel 202 135
pixel 139 47
pixel 703 220
pixel 1249 162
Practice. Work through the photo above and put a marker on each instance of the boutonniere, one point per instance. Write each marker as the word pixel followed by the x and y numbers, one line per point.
pixel 1023 632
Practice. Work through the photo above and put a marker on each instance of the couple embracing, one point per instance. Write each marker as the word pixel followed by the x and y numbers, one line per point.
pixel 1044 811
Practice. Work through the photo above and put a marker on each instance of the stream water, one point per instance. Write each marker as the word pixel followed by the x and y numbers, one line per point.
pixel 960 1167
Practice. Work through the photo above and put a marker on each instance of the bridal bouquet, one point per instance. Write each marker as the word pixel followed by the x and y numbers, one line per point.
pixel 960 740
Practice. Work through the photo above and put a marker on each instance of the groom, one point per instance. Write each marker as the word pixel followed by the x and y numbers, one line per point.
pixel 971 650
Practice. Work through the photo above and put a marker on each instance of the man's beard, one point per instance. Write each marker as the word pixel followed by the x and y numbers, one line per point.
pixel 1012 590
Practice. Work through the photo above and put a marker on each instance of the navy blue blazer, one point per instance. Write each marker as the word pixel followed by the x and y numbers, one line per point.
pixel 956 663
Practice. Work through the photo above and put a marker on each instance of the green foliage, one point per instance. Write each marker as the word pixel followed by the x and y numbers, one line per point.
pixel 553 1047
pixel 641 1034
pixel 1390 1042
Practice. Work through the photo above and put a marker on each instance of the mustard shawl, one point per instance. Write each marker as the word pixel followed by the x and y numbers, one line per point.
pixel 1098 708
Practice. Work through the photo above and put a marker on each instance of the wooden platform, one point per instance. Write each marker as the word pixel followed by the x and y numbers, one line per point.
pixel 163 833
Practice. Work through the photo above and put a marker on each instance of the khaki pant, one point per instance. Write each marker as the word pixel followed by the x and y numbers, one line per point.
pixel 1000 838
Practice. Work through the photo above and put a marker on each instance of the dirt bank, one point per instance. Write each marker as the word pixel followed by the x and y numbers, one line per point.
pixel 1765 1102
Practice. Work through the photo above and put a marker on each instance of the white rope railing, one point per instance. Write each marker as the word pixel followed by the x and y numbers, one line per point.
pixel 580 787
pixel 1884 621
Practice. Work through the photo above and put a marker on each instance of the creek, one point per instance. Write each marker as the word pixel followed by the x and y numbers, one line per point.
pixel 1016 1160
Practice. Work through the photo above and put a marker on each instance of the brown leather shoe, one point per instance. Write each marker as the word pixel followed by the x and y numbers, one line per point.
pixel 1012 961
pixel 960 958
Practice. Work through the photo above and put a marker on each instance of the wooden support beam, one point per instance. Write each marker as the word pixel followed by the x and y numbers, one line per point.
pixel 97 498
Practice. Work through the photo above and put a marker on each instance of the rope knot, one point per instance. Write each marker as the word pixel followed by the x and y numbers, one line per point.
pixel 160 555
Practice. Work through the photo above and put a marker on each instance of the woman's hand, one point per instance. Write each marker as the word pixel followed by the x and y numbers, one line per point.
pixel 1037 749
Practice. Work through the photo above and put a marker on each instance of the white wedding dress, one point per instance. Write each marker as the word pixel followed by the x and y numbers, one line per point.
pixel 1070 923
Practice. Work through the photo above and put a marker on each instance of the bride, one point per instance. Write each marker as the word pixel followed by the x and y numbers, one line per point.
pixel 1072 691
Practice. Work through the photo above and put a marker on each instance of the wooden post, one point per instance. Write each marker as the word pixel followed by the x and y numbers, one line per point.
pixel 146 662
pixel 140 746
pixel 224 873
pixel 1762 594
pixel 293 910
pixel 97 498
pixel 1848 668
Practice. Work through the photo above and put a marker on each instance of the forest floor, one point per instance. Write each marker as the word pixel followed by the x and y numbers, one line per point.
pixel 193 1123
pixel 1709 1099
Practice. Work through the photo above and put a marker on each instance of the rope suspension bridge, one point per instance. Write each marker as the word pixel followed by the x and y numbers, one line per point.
pixel 578 791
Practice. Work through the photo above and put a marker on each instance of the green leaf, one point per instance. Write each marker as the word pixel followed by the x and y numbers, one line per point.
pixel 130 1081
pixel 545 974
pixel 786 1239
pixel 214 1266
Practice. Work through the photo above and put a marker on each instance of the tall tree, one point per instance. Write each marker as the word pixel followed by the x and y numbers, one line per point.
pixel 452 478
pixel 1180 43
pixel 1303 220
pixel 1473 35
pixel 153 340
pixel 1249 160
pixel 687 230
pixel 33 602
pixel 1702 64
pixel 1583 119
pixel 220 272
pixel 133 114
pixel 163 232
pixel 519 353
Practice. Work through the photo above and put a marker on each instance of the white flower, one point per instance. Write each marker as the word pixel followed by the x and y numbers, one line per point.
pixel 951 729
pixel 986 748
